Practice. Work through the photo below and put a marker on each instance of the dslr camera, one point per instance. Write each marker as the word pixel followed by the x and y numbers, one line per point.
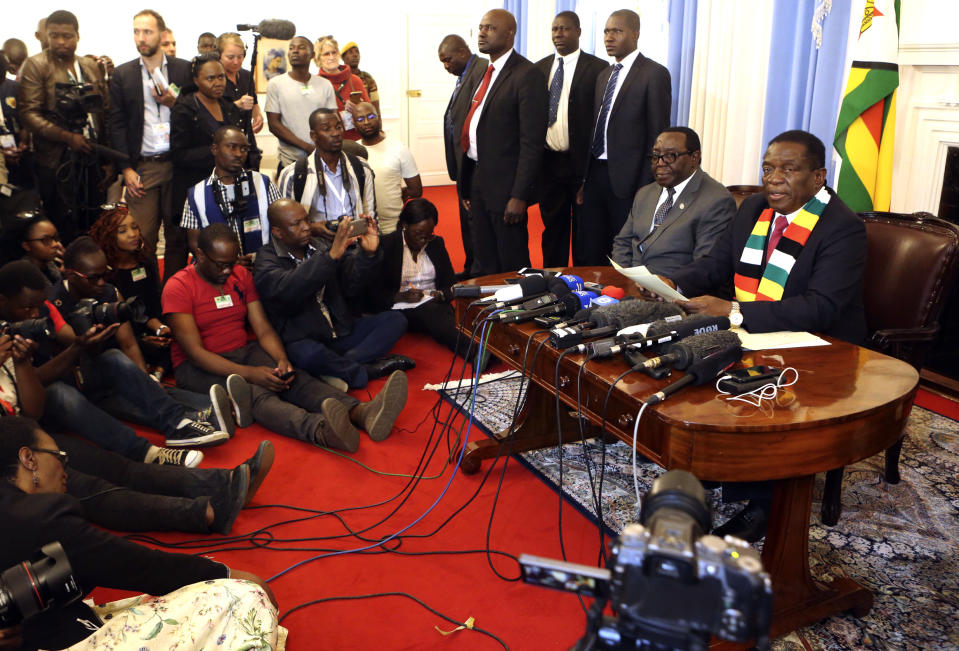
pixel 35 329
pixel 670 586
pixel 73 102
pixel 90 312
pixel 36 585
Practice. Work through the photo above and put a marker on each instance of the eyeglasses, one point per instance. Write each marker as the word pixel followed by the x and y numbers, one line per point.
pixel 92 278
pixel 669 157
pixel 360 119
pixel 107 207
pixel 62 456
pixel 46 240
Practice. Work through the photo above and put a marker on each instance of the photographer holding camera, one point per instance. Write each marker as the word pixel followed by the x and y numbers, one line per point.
pixel 63 102
pixel 232 195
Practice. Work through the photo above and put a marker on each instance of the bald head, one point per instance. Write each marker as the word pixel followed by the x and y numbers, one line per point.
pixel 454 54
pixel 223 132
pixel 16 52
pixel 497 31
pixel 282 209
pixel 289 225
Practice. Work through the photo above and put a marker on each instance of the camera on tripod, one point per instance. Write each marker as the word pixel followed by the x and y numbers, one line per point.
pixel 74 102
pixel 90 312
pixel 671 586
pixel 36 585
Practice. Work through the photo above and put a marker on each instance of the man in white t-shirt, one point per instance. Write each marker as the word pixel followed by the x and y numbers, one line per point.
pixel 292 97
pixel 393 166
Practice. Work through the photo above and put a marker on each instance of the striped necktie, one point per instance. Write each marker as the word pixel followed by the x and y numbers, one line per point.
pixel 599 137
pixel 664 209
pixel 555 90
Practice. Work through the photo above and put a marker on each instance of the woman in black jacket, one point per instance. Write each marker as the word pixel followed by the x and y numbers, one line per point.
pixel 416 265
pixel 199 111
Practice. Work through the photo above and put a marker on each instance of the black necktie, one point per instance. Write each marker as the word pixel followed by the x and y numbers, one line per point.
pixel 555 90
pixel 599 137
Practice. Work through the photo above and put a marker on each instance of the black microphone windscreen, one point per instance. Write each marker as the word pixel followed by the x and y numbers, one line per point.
pixel 629 313
pixel 558 287
pixel 702 345
pixel 694 324
pixel 707 368
pixel 533 285
pixel 283 30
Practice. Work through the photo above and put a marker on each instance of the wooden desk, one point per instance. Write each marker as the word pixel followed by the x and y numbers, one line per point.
pixel 849 404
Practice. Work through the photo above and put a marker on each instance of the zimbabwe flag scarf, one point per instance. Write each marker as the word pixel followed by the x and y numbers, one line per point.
pixel 755 283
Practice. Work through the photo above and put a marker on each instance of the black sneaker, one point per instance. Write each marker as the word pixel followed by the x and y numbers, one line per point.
pixel 196 434
pixel 242 398
pixel 168 457
pixel 259 465
pixel 227 506
pixel 220 412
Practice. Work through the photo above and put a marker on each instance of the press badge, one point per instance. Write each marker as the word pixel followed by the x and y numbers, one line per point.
pixel 138 274
pixel 223 301
pixel 347 118
pixel 306 90
pixel 251 225
pixel 161 132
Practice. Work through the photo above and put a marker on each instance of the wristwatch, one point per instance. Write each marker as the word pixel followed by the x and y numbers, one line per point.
pixel 735 316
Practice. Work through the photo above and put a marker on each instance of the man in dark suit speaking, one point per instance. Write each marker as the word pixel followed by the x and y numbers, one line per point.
pixel 793 258
pixel 140 128
pixel 501 138
pixel 631 108
pixel 468 68
pixel 571 75
pixel 679 216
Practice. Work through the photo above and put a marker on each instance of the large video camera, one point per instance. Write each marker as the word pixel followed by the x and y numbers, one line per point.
pixel 671 586
pixel 74 102
pixel 36 585
pixel 35 329
pixel 90 312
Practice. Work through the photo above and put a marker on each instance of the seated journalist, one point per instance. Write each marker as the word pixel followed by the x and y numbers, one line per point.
pixel 209 304
pixel 792 259
pixel 205 601
pixel 312 287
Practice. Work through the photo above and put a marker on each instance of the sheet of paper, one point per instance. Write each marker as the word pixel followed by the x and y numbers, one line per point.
pixel 649 281
pixel 409 306
pixel 782 339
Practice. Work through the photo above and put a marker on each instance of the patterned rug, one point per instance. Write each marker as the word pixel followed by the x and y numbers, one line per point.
pixel 899 540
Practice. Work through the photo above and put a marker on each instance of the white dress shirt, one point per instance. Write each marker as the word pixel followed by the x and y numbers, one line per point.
pixel 497 67
pixel 677 192
pixel 156 116
pixel 557 134
pixel 627 63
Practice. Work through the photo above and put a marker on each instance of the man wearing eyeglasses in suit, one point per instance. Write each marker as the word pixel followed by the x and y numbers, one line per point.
pixel 676 218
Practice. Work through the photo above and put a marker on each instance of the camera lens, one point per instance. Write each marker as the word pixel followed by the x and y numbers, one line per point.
pixel 35 585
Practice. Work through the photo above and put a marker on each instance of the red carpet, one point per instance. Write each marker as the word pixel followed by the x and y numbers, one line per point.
pixel 459 586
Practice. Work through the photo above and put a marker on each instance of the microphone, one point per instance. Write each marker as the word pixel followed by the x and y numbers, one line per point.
pixel 692 349
pixel 526 288
pixel 614 292
pixel 666 331
pixel 569 337
pixel 702 371
pixel 626 313
pixel 572 281
pixel 271 28
pixel 557 288
pixel 567 304
pixel 475 291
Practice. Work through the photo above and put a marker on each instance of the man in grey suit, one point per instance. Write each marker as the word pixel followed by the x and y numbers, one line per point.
pixel 679 216
pixel 468 68
pixel 631 107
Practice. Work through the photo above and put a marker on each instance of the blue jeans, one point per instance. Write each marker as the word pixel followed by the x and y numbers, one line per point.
pixel 372 337
pixel 69 410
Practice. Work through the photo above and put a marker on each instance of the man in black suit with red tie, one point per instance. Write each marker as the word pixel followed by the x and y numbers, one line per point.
pixel 468 68
pixel 502 139
pixel 632 103
pixel 571 75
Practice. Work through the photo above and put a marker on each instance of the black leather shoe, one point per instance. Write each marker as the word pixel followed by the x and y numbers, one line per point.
pixel 386 365
pixel 749 524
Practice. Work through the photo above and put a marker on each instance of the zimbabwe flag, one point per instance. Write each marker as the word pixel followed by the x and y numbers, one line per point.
pixel 867 117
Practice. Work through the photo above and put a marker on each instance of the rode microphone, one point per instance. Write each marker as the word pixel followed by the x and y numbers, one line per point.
pixel 665 331
pixel 692 349
pixel 566 305
pixel 703 370
pixel 283 30
pixel 627 313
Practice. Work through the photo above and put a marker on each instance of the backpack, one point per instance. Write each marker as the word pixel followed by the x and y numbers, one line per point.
pixel 300 170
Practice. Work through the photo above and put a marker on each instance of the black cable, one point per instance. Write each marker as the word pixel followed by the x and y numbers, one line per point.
pixel 602 476
pixel 392 594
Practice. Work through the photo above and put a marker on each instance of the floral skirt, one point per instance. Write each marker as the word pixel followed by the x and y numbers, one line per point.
pixel 221 614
